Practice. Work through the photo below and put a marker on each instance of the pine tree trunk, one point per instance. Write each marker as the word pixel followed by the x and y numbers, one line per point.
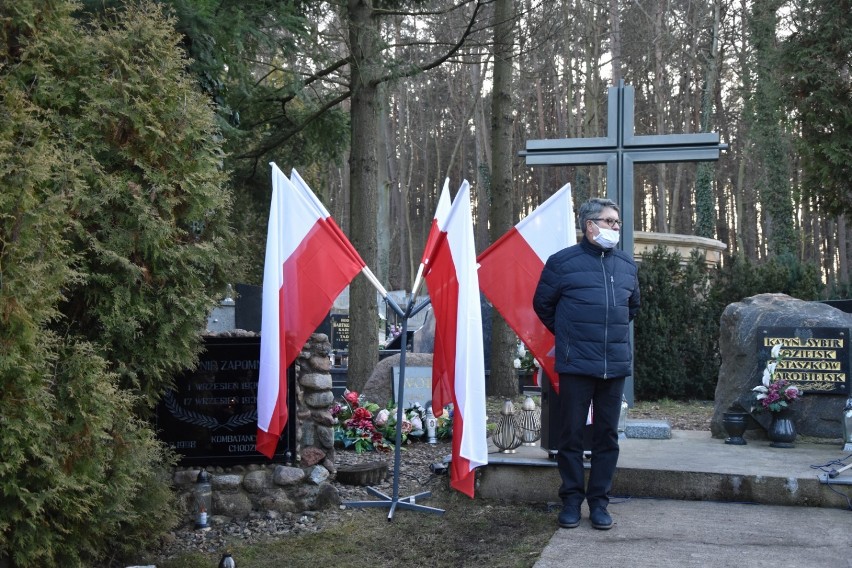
pixel 363 167
pixel 502 379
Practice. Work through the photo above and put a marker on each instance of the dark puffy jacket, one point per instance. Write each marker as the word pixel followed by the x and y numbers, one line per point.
pixel 586 297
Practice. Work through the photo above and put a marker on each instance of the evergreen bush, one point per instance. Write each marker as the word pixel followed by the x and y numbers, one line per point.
pixel 113 247
pixel 676 355
pixel 676 333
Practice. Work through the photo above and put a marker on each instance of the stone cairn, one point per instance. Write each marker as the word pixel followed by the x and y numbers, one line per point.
pixel 301 484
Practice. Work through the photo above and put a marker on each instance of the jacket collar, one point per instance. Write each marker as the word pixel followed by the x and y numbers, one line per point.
pixel 592 248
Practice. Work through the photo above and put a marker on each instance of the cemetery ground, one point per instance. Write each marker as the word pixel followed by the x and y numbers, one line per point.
pixel 471 532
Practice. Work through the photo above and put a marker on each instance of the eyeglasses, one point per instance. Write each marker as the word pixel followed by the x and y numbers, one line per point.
pixel 609 221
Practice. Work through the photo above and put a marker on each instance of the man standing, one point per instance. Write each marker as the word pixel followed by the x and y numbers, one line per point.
pixel 587 295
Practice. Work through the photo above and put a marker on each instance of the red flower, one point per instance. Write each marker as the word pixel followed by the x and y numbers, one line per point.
pixel 362 414
pixel 352 398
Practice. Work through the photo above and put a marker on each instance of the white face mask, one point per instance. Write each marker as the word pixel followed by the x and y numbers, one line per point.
pixel 607 238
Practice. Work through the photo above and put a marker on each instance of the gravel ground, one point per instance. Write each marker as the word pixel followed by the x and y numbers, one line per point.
pixel 415 476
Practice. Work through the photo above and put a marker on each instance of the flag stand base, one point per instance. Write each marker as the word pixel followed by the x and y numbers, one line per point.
pixel 401 503
pixel 394 501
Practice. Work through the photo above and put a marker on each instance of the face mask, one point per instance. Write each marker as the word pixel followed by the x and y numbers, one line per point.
pixel 607 238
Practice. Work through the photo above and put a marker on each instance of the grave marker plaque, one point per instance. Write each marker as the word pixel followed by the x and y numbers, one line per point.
pixel 418 386
pixel 210 418
pixel 340 332
pixel 815 359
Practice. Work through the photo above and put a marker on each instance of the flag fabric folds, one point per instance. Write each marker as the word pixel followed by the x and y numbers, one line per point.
pixel 308 262
pixel 510 268
pixel 458 371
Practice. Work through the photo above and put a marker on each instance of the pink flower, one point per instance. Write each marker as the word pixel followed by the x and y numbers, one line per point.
pixel 381 417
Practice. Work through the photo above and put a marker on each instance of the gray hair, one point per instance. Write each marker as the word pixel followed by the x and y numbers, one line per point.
pixel 592 208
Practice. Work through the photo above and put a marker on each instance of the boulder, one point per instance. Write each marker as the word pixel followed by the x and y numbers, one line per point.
pixel 379 387
pixel 816 415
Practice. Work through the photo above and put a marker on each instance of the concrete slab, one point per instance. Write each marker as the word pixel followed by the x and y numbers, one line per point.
pixel 676 534
pixel 692 466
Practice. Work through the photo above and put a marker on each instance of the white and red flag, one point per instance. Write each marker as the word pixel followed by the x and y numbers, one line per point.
pixel 440 216
pixel 308 263
pixel 510 268
pixel 458 369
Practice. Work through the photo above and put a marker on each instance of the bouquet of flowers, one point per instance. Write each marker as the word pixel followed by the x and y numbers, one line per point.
pixel 366 426
pixel 525 360
pixel 774 394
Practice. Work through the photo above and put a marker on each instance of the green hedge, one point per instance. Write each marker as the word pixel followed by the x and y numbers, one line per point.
pixel 676 333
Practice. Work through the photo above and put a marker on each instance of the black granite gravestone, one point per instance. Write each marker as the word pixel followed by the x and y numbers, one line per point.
pixel 210 417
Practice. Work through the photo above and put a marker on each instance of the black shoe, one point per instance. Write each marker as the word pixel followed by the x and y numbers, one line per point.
pixel 569 517
pixel 600 519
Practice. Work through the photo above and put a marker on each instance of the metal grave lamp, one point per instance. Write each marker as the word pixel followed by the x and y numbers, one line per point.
pixel 507 436
pixel 530 422
pixel 203 499
pixel 847 425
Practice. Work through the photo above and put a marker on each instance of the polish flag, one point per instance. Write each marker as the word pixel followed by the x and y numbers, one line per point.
pixel 458 369
pixel 308 263
pixel 510 268
pixel 440 215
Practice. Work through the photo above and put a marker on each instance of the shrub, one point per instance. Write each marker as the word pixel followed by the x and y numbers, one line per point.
pixel 112 248
pixel 677 331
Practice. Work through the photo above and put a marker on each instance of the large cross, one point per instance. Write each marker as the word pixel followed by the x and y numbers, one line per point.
pixel 619 150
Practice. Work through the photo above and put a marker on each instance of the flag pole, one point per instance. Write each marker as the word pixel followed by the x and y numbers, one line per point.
pixel 393 501
pixel 418 280
pixel 378 285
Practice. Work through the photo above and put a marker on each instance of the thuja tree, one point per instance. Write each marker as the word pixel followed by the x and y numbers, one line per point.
pixel 111 249
pixel 150 226
pixel 675 334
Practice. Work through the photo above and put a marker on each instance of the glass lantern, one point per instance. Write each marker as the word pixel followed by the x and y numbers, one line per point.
pixel 203 499
pixel 622 417
pixel 847 425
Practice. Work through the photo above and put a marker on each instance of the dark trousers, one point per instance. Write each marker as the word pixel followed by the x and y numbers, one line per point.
pixel 575 394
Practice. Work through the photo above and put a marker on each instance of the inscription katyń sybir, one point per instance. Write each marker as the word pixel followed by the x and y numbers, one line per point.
pixel 815 359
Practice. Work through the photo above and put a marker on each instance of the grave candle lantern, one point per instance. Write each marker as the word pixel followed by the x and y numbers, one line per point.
pixel 507 437
pixel 203 498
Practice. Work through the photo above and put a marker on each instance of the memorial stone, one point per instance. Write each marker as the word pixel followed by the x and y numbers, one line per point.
pixel 744 330
pixel 210 417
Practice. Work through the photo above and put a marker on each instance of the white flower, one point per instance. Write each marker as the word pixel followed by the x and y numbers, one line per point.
pixel 381 417
pixel 535 362
pixel 517 363
pixel 416 423
pixel 767 375
pixel 776 350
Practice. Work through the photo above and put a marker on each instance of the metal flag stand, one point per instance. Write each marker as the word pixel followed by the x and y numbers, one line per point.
pixel 394 501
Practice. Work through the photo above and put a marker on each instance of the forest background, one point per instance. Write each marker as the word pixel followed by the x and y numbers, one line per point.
pixel 377 103
pixel 135 185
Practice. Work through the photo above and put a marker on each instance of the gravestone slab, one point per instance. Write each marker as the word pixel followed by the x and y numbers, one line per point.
pixel 248 307
pixel 417 383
